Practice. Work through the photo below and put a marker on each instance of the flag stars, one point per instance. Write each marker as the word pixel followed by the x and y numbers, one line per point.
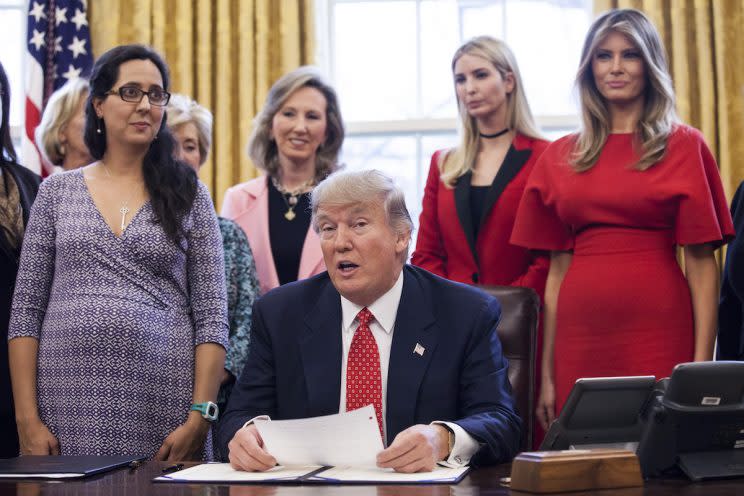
pixel 37 11
pixel 60 15
pixel 77 47
pixel 71 73
pixel 58 44
pixel 37 40
pixel 79 19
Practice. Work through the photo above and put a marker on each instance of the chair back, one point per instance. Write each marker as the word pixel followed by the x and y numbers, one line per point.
pixel 517 331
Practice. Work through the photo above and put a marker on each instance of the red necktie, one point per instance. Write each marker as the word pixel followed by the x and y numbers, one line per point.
pixel 363 382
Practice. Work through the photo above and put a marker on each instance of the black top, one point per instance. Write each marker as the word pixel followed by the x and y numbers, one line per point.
pixel 28 185
pixel 731 307
pixel 287 236
pixel 477 202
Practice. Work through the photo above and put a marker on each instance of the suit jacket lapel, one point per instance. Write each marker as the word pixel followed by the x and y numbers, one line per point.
pixel 462 204
pixel 320 349
pixel 415 328
pixel 513 163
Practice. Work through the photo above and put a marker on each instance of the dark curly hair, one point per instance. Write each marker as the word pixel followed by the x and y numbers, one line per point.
pixel 170 183
pixel 7 151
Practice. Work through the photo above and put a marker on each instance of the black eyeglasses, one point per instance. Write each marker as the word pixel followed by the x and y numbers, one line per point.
pixel 156 96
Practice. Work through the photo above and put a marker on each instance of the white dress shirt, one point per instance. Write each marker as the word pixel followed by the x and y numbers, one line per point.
pixel 385 309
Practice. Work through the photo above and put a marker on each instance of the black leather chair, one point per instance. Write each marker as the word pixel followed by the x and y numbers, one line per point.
pixel 520 308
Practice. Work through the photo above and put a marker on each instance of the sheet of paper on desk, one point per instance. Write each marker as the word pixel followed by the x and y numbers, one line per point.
pixel 223 472
pixel 350 438
pixel 377 475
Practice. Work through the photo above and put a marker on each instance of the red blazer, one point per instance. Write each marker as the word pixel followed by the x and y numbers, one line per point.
pixel 446 245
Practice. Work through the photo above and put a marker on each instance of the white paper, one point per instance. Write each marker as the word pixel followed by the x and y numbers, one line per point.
pixel 223 472
pixel 350 438
pixel 351 474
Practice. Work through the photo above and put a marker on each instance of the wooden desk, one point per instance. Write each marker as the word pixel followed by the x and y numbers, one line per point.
pixel 481 482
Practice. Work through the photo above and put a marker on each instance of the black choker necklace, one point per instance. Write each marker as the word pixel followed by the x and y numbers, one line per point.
pixel 495 135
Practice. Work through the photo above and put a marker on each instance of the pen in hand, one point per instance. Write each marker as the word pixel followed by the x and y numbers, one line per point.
pixel 173 468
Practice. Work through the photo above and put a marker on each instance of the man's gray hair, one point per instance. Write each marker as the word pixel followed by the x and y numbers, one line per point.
pixel 349 187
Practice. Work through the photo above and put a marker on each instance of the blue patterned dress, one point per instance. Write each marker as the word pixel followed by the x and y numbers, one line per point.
pixel 117 318
pixel 242 291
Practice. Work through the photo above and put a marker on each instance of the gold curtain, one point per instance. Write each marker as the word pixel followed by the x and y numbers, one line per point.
pixel 223 53
pixel 705 43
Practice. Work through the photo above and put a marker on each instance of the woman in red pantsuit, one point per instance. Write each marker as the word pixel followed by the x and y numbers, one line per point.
pixel 612 203
pixel 473 190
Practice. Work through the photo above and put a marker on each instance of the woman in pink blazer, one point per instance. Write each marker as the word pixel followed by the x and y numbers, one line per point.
pixel 295 142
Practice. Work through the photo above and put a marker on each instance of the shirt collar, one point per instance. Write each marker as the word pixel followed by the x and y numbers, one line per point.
pixel 384 308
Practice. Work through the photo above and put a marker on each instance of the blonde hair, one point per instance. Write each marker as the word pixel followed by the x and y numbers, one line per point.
pixel 182 110
pixel 262 149
pixel 658 117
pixel 59 110
pixel 461 159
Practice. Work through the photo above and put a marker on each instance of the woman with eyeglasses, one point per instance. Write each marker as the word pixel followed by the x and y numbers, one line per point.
pixel 119 322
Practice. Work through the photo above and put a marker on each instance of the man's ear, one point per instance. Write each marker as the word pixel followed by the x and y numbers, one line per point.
pixel 402 242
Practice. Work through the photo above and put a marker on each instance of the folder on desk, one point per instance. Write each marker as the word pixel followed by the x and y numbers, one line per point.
pixel 61 467
pixel 215 473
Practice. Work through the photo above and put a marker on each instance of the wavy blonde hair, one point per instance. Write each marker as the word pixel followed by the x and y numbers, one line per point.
pixel 658 117
pixel 262 149
pixel 461 159
pixel 182 110
pixel 59 110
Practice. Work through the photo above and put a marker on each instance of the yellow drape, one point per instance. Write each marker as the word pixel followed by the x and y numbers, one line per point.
pixel 223 53
pixel 705 43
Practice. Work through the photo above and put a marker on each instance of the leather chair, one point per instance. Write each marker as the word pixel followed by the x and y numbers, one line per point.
pixel 517 331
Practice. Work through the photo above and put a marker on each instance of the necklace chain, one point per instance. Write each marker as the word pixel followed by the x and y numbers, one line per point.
pixel 124 209
pixel 291 197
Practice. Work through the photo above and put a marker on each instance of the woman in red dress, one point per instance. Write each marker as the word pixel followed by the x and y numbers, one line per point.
pixel 611 203
pixel 473 190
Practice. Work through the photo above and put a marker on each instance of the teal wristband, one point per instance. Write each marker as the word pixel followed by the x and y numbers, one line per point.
pixel 208 410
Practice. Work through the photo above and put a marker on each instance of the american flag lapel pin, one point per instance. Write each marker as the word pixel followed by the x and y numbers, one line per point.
pixel 419 350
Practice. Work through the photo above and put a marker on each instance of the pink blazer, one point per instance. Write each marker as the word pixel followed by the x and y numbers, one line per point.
pixel 248 205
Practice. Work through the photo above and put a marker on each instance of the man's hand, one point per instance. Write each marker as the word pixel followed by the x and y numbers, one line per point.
pixel 247 453
pixel 416 449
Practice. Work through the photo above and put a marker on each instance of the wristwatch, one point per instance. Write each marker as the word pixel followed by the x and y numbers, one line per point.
pixel 208 410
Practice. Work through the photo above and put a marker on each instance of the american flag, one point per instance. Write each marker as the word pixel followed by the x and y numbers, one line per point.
pixel 58 49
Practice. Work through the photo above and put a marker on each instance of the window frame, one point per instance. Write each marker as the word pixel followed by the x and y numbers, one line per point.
pixel 324 56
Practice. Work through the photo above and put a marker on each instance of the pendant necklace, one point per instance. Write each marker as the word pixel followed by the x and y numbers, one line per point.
pixel 124 210
pixel 291 198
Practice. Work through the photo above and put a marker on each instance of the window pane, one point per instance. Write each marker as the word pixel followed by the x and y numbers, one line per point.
pixel 485 19
pixel 439 40
pixel 548 68
pixel 374 64
pixel 12 39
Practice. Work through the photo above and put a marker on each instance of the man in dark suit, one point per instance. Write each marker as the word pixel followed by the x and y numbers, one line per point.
pixel 433 364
